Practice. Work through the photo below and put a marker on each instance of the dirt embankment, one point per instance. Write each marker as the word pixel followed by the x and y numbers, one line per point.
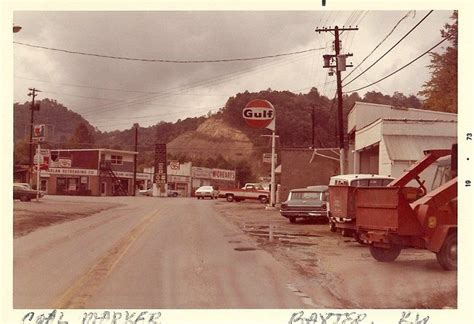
pixel 29 216
pixel 343 267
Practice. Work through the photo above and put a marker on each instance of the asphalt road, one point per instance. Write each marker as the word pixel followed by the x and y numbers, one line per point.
pixel 151 253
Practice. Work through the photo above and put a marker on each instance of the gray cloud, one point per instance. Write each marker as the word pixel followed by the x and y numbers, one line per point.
pixel 201 35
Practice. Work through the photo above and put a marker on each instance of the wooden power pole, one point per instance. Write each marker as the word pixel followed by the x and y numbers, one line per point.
pixel 338 61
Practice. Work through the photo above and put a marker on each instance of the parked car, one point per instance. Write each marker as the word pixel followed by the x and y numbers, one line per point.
pixel 24 193
pixel 146 192
pixel 206 191
pixel 24 184
pixel 173 193
pixel 149 192
pixel 306 203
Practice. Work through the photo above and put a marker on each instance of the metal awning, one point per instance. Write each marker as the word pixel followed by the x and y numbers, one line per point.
pixel 410 148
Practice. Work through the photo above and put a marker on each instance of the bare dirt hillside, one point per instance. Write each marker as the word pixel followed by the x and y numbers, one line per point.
pixel 212 138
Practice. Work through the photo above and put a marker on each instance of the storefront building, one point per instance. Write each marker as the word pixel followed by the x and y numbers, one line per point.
pixel 218 178
pixel 386 140
pixel 94 172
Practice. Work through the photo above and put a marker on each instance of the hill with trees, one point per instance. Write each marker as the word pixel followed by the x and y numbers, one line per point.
pixel 220 140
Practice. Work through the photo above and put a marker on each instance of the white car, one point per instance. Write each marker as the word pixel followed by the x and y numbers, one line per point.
pixel 206 191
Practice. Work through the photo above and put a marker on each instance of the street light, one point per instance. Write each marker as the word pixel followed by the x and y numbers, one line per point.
pixel 16 29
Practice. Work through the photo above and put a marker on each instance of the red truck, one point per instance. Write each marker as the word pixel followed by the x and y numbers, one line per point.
pixel 396 217
pixel 249 191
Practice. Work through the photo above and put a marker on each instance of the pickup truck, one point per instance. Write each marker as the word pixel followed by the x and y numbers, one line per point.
pixel 249 191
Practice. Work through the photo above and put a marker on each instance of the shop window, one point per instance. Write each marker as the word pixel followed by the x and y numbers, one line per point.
pixel 61 185
pixel 116 159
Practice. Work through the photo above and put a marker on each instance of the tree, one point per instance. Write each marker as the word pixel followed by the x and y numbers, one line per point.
pixel 442 89
pixel 243 172
pixel 21 152
pixel 82 137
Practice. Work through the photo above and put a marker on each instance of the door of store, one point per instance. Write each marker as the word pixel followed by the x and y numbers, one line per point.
pixel 103 188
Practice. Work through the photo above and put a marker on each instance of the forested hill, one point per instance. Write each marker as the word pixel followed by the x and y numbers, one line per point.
pixel 294 114
pixel 60 121
pixel 293 123
pixel 293 120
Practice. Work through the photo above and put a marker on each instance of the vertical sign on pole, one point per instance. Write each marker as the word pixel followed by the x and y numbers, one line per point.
pixel 38 135
pixel 260 113
pixel 160 178
pixel 38 170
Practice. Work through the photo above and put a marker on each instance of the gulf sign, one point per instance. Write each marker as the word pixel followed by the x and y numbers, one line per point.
pixel 258 113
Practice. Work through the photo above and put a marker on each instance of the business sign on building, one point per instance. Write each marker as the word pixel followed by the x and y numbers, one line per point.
pixel 69 171
pixel 203 173
pixel 129 175
pixel 39 133
pixel 267 158
pixel 64 163
pixel 160 164
pixel 174 165
pixel 220 174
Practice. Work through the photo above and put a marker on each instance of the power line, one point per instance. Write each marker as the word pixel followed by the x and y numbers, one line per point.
pixel 391 48
pixel 398 70
pixel 379 44
pixel 168 61
pixel 109 99
pixel 222 78
pixel 117 89
pixel 105 123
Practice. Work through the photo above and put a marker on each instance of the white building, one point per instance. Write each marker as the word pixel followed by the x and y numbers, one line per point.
pixel 387 140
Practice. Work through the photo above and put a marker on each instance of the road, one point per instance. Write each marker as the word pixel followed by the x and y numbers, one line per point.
pixel 151 253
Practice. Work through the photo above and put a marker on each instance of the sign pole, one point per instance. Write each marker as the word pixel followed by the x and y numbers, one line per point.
pixel 38 150
pixel 272 181
pixel 260 113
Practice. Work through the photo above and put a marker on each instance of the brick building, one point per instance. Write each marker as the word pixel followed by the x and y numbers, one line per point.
pixel 300 168
pixel 96 172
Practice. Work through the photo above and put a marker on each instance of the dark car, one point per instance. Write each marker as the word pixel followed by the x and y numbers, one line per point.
pixel 24 193
pixel 306 203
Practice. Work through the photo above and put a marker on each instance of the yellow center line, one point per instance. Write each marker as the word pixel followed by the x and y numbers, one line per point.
pixel 85 287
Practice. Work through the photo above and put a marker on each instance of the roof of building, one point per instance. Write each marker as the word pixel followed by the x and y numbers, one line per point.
pixel 307 149
pixel 406 121
pixel 411 148
pixel 362 103
pixel 364 113
pixel 99 149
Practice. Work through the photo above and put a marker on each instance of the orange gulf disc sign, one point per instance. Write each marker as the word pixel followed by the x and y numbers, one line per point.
pixel 258 113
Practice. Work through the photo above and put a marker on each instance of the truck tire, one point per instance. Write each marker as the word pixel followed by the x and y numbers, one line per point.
pixel 263 199
pixel 292 219
pixel 448 254
pixel 385 255
pixel 229 198
pixel 25 198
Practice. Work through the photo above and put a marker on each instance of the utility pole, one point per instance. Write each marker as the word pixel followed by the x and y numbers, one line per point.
pixel 33 108
pixel 135 161
pixel 340 65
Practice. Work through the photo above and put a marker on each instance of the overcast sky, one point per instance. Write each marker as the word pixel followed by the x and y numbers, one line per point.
pixel 113 94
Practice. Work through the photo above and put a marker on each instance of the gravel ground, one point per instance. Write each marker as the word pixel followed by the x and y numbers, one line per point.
pixel 29 216
pixel 344 267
